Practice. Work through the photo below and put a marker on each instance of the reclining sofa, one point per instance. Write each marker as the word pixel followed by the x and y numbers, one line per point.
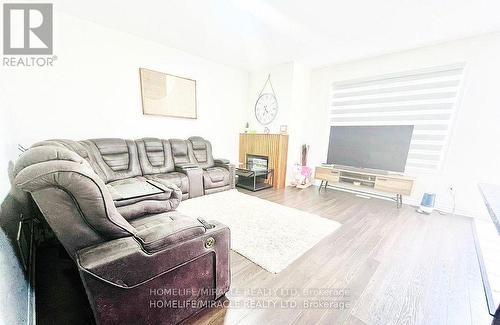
pixel 111 203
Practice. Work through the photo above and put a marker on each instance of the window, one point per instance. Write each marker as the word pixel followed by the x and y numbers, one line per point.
pixel 425 98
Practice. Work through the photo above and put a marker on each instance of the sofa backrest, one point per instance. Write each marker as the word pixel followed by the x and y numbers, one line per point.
pixel 72 145
pixel 201 151
pixel 113 159
pixel 155 156
pixel 180 152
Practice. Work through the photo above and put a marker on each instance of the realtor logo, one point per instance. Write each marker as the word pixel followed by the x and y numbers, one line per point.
pixel 27 28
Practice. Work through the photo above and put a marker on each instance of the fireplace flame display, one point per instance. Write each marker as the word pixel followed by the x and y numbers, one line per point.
pixel 257 163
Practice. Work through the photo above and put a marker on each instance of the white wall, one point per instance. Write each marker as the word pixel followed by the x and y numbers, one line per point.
pixel 8 151
pixel 291 84
pixel 5 153
pixel 474 151
pixel 282 80
pixel 14 286
pixel 13 283
pixel 93 90
pixel 299 110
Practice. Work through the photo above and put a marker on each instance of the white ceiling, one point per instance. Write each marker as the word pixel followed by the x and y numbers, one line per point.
pixel 254 33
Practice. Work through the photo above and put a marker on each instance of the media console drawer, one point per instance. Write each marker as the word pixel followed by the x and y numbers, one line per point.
pixel 327 174
pixel 393 185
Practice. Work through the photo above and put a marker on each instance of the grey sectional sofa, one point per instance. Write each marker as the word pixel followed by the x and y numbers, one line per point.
pixel 188 164
pixel 127 246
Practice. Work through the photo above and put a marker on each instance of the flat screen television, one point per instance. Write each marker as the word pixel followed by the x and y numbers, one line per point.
pixel 381 147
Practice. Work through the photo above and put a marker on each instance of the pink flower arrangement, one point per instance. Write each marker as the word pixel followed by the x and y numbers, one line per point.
pixel 306 171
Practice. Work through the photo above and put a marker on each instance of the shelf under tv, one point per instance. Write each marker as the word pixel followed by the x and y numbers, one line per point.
pixel 356 179
pixel 368 183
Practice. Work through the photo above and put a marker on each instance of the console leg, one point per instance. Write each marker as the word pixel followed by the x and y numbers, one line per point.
pixel 320 186
pixel 399 200
pixel 326 184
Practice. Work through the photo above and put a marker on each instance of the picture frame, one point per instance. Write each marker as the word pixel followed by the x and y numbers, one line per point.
pixel 167 95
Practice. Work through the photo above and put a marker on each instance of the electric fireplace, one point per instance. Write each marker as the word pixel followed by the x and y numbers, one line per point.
pixel 257 175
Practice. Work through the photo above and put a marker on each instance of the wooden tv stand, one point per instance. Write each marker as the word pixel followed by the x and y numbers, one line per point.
pixel 365 182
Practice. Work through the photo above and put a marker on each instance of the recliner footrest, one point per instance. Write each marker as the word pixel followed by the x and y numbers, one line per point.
pixel 124 282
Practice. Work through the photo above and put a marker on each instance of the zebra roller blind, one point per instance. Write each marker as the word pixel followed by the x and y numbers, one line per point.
pixel 425 98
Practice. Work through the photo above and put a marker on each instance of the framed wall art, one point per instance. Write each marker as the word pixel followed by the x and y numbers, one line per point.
pixel 167 95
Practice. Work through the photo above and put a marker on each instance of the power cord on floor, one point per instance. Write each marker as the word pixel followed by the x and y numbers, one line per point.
pixel 454 203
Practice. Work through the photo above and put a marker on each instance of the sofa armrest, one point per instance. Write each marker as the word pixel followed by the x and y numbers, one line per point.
pixel 230 167
pixel 221 161
pixel 73 199
pixel 195 177
pixel 180 167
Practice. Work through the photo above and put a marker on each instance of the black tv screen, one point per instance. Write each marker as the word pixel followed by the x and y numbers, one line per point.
pixel 382 147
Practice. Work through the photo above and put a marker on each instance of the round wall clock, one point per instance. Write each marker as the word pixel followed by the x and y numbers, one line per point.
pixel 266 108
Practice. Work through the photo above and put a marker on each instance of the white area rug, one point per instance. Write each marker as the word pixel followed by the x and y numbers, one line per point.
pixel 269 234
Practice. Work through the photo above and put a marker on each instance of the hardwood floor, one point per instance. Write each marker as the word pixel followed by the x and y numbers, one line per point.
pixel 396 266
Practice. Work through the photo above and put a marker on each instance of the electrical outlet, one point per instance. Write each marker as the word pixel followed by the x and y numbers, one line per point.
pixel 452 193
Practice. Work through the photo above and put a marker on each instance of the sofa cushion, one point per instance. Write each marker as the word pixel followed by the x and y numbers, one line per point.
pixel 215 177
pixel 139 205
pixel 159 231
pixel 178 179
